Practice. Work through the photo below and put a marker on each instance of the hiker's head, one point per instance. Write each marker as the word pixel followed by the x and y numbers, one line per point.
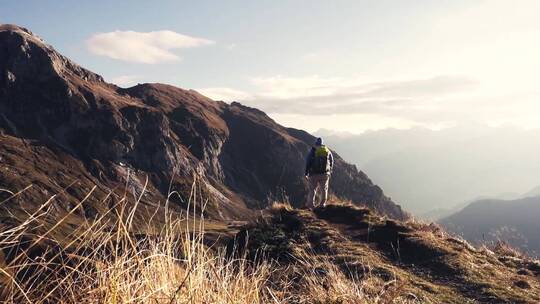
pixel 319 142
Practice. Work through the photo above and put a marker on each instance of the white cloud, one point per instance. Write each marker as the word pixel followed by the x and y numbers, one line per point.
pixel 353 123
pixel 125 80
pixel 225 94
pixel 279 87
pixel 315 95
pixel 317 57
pixel 357 104
pixel 472 63
pixel 231 46
pixel 150 47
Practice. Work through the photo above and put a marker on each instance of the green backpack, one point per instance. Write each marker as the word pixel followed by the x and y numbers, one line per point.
pixel 320 161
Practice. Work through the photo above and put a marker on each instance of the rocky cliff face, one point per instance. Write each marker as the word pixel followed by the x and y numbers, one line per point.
pixel 62 124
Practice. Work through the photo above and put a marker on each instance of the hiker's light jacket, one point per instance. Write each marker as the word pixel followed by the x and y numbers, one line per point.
pixel 310 161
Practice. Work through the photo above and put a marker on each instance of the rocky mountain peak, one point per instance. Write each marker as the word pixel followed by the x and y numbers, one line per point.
pixel 26 57
pixel 242 158
pixel 15 28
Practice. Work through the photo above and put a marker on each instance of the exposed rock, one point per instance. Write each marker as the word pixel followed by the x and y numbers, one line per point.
pixel 522 284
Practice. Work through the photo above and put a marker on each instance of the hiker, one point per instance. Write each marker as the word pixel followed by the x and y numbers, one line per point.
pixel 319 165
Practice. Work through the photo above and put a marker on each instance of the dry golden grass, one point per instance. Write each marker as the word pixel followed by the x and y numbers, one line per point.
pixel 322 281
pixel 107 260
pixel 278 206
pixel 104 262
pixel 505 249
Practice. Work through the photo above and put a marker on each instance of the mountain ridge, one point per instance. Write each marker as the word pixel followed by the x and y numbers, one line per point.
pixel 493 220
pixel 66 114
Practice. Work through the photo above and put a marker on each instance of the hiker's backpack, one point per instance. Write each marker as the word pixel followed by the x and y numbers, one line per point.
pixel 321 163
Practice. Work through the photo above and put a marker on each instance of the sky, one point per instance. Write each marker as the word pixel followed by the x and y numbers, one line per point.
pixel 347 66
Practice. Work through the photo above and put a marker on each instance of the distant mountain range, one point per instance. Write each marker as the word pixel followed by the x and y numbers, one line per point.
pixel 513 221
pixel 426 170
pixel 440 213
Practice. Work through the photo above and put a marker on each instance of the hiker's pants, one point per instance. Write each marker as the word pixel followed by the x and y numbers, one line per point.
pixel 317 183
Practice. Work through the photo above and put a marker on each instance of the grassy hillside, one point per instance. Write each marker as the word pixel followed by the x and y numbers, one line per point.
pixel 337 254
pixel 412 261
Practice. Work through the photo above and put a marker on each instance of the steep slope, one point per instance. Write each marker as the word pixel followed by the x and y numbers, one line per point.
pixel 64 130
pixel 413 262
pixel 512 221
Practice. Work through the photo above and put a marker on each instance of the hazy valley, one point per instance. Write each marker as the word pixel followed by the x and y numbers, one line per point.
pixel 452 167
